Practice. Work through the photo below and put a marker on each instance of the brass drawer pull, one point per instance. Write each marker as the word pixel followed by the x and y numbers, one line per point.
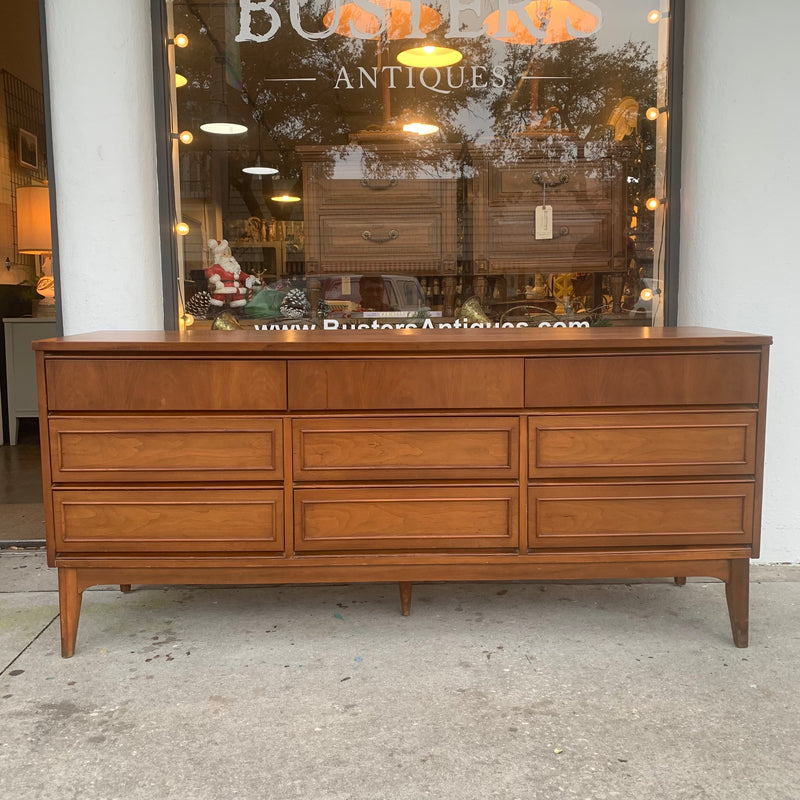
pixel 538 179
pixel 378 187
pixel 368 237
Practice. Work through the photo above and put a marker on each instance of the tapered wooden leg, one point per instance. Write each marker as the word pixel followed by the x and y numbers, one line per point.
pixel 405 597
pixel 680 581
pixel 125 588
pixel 737 592
pixel 69 602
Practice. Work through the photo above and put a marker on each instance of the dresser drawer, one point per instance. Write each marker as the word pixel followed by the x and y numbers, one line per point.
pixel 413 518
pixel 610 515
pixel 407 383
pixel 579 182
pixel 152 384
pixel 382 238
pixel 406 448
pixel 215 518
pixel 650 443
pixel 681 379
pixel 387 190
pixel 130 448
pixel 581 236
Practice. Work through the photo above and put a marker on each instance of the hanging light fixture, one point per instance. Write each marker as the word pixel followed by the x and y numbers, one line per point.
pixel 283 191
pixel 420 128
pixel 435 52
pixel 223 128
pixel 258 168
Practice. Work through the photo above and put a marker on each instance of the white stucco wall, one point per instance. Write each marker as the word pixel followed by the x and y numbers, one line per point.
pixel 104 164
pixel 739 262
pixel 740 266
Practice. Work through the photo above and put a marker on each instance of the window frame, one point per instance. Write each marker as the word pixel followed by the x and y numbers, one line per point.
pixel 166 178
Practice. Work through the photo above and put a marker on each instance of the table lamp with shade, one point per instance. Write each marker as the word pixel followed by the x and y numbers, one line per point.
pixel 34 237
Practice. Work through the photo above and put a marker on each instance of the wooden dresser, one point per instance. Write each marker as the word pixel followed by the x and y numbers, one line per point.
pixel 407 456
pixel 583 183
pixel 382 207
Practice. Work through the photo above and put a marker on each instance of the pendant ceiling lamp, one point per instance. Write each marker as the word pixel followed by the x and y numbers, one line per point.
pixel 402 20
pixel 258 168
pixel 283 191
pixel 420 128
pixel 429 55
pixel 554 21
pixel 223 128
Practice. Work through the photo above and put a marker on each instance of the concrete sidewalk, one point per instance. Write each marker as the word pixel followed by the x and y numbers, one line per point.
pixel 628 690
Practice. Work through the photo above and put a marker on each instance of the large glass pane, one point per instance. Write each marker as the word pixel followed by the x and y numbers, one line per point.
pixel 335 174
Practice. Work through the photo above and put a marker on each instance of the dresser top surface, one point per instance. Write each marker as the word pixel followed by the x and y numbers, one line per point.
pixel 397 342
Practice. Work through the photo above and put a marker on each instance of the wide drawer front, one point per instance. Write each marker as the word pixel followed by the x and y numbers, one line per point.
pixel 571 184
pixel 595 445
pixel 381 518
pixel 642 380
pixel 148 384
pixel 418 383
pixel 381 238
pixel 578 235
pixel 216 518
pixel 130 448
pixel 609 515
pixel 406 448
pixel 386 191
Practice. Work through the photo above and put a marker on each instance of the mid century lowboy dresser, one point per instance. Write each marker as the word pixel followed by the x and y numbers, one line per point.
pixel 406 456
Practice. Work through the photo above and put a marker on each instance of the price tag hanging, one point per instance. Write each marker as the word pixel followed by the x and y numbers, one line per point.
pixel 543 227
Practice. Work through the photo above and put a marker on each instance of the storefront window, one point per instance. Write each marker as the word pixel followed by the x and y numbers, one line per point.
pixel 407 160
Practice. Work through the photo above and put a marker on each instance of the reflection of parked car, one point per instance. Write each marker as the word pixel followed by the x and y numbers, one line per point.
pixel 355 295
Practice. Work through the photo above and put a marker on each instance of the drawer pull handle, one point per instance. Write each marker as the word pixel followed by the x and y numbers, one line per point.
pixel 368 237
pixel 538 179
pixel 379 187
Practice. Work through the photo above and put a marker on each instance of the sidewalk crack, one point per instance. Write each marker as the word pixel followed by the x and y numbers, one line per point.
pixel 27 647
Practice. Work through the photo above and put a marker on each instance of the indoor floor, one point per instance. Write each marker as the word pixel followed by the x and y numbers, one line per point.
pixel 21 510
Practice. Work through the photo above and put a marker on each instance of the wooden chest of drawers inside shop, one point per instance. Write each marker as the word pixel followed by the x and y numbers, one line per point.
pixel 378 208
pixel 582 184
pixel 291 457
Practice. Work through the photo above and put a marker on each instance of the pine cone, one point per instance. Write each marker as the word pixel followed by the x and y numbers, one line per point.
pixel 295 304
pixel 198 304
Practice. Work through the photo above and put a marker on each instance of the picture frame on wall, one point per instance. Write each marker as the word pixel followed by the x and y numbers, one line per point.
pixel 28 149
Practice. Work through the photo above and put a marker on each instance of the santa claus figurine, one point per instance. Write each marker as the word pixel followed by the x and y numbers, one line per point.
pixel 227 284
